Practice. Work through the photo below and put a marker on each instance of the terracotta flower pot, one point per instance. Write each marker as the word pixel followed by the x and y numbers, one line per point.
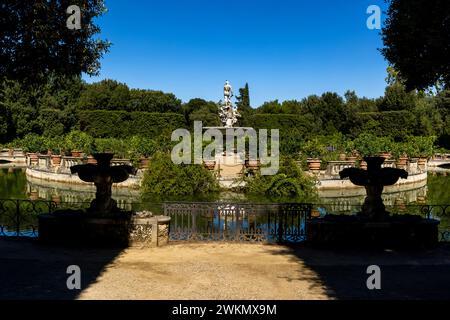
pixel 386 155
pixel 76 153
pixel 252 164
pixel 352 158
pixel 91 160
pixel 422 163
pixel 402 162
pixel 34 159
pixel 144 163
pixel 210 165
pixel 56 159
pixel 363 165
pixel 342 157
pixel 314 164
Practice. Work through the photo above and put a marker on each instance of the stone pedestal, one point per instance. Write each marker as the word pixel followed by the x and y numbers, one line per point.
pixel 397 232
pixel 79 228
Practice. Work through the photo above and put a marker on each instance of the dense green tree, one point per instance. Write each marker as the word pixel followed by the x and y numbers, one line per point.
pixel 153 101
pixel 208 114
pixel 396 98
pixel 271 107
pixel 35 41
pixel 417 41
pixel 105 95
pixel 202 110
pixel 243 104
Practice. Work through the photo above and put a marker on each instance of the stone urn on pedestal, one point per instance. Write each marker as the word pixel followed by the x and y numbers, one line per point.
pixel 374 225
pixel 374 179
pixel 103 223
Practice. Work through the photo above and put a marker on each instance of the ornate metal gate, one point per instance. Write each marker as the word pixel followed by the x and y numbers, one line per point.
pixel 237 222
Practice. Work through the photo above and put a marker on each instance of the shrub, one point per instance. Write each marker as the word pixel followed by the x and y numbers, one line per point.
pixel 424 146
pixel 119 147
pixel 163 177
pixel 79 141
pixel 32 143
pixel 368 144
pixel 395 124
pixel 290 184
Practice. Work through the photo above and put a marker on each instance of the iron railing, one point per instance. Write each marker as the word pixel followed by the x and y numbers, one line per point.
pixel 221 221
pixel 18 218
pixel 216 221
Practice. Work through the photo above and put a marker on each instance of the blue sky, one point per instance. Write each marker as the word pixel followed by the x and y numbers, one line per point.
pixel 285 49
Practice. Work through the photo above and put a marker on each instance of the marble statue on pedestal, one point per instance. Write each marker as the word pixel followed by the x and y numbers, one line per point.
pixel 228 113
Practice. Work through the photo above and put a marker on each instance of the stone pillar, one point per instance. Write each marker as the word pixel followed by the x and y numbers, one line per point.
pixel 163 230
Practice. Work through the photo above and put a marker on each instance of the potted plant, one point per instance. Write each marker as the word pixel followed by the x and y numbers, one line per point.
pixel 54 150
pixel 79 142
pixel 350 151
pixel 141 149
pixel 363 164
pixel 400 153
pixel 425 149
pixel 32 144
pixel 385 146
pixel 313 150
pixel 368 145
pixel 91 160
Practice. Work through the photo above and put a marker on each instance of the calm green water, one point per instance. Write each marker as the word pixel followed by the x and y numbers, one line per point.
pixel 15 185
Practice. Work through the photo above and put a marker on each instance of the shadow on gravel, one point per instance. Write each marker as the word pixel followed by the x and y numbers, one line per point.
pixel 30 270
pixel 405 275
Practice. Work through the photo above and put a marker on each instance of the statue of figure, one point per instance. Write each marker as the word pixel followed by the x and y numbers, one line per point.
pixel 227 93
pixel 228 113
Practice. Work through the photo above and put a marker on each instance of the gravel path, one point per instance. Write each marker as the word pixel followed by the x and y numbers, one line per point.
pixel 207 271
pixel 194 271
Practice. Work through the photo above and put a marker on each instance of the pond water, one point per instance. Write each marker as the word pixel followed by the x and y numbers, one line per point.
pixel 15 185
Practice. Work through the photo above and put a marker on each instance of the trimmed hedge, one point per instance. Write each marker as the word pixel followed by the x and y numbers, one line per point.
pixel 284 122
pixel 397 124
pixel 119 124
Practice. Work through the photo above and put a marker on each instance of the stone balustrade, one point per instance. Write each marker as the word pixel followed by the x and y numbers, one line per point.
pixel 13 155
pixel 334 167
pixel 45 163
pixel 389 164
pixel 441 156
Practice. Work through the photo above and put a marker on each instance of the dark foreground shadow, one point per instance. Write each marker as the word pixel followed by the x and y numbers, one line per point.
pixel 405 275
pixel 30 270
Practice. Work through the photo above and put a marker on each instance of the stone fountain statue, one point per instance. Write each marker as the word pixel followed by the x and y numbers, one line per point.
pixel 374 179
pixel 103 175
pixel 373 226
pixel 103 223
pixel 228 113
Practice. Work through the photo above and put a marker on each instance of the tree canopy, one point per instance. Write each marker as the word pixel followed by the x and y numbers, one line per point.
pixel 35 41
pixel 416 40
